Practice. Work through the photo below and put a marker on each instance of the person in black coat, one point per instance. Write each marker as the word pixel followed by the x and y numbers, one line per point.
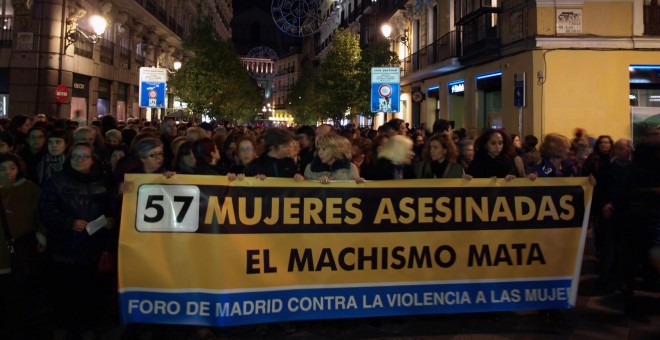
pixel 494 157
pixel 70 201
pixel 276 159
pixel 207 158
pixel 393 160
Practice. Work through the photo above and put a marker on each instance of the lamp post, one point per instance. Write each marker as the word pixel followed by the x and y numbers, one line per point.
pixel 386 29
pixel 73 34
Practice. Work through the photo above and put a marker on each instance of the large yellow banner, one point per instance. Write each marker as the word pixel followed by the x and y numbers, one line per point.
pixel 203 250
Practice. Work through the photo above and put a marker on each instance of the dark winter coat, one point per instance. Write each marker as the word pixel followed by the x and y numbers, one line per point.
pixel 70 195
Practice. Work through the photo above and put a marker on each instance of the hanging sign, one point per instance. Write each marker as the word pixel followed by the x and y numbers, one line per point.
pixel 153 86
pixel 385 89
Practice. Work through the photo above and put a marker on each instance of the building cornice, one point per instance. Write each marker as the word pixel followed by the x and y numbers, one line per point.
pixel 597 43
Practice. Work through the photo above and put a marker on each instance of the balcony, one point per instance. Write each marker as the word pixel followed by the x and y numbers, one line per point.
pixel 124 58
pixel 467 10
pixel 480 38
pixel 447 47
pixel 107 52
pixel 139 60
pixel 83 47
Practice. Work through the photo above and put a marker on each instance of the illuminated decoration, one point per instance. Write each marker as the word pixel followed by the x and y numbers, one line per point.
pixel 261 63
pixel 456 87
pixel 489 75
pixel 298 18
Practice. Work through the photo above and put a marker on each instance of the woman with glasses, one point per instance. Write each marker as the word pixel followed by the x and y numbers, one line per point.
pixel 245 153
pixel 72 203
pixel 151 154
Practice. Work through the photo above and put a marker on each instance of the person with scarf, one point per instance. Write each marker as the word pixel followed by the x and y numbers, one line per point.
pixel 439 159
pixel 554 152
pixel 333 160
pixel 53 160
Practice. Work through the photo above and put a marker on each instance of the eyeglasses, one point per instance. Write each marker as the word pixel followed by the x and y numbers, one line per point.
pixel 80 157
pixel 246 149
pixel 156 155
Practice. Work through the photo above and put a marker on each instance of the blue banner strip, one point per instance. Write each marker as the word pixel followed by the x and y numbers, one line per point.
pixel 230 309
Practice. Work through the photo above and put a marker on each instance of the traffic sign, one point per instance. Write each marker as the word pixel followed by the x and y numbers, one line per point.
pixel 385 89
pixel 153 86
pixel 61 94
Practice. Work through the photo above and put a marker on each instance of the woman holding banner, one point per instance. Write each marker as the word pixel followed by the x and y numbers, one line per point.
pixel 393 159
pixel 207 158
pixel 276 159
pixel 439 159
pixel 495 156
pixel 333 160
pixel 245 153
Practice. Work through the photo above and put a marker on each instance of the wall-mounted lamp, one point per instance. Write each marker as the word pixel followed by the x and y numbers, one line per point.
pixel 386 29
pixel 73 34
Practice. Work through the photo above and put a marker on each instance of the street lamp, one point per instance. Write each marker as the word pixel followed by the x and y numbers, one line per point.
pixel 177 65
pixel 386 29
pixel 73 33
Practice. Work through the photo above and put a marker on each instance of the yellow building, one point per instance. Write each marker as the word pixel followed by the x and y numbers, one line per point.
pixel 531 67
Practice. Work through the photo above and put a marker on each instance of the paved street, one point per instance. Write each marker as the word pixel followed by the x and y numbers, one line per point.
pixel 596 316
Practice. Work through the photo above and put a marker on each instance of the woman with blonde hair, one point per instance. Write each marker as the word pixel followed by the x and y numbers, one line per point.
pixel 333 160
pixel 395 155
pixel 554 152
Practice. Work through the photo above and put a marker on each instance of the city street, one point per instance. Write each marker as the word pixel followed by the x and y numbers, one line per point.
pixel 596 316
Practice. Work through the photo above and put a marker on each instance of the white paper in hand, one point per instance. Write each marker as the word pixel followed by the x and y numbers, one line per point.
pixel 94 226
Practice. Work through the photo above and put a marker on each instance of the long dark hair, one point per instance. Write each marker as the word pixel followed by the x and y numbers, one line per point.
pixel 508 151
pixel 597 150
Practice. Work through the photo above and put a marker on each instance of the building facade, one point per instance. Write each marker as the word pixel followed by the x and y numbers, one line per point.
pixel 44 46
pixel 532 67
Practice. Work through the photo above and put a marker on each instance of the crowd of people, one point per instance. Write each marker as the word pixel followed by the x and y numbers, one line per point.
pixel 61 187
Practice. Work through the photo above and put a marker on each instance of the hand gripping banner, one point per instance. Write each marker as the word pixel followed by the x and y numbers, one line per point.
pixel 200 250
